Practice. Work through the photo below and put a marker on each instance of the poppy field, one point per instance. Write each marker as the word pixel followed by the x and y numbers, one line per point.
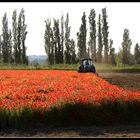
pixel 58 97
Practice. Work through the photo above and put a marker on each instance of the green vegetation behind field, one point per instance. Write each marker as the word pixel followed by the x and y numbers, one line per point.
pixel 117 68
pixel 99 67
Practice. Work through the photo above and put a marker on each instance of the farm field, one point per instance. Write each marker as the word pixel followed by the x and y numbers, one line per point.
pixel 58 97
pixel 128 81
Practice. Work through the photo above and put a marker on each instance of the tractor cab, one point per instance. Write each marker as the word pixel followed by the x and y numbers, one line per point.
pixel 86 65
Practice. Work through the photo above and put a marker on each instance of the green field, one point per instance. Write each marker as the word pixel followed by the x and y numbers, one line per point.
pixel 99 67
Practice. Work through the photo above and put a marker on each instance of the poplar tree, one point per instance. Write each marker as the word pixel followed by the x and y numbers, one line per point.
pixel 111 53
pixel 14 33
pixel 137 53
pixel 92 34
pixel 19 31
pixel 84 33
pixel 6 36
pixel 81 38
pixel 126 46
pixel 67 40
pixel 79 45
pixel 10 59
pixel 47 38
pixel 100 42
pixel 62 39
pixel 72 52
pixel 57 41
pixel 105 34
pixel 23 38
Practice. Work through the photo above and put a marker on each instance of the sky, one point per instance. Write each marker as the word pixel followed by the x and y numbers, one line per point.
pixel 121 15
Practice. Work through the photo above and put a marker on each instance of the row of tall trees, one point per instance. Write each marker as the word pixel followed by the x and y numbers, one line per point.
pixel 100 36
pixel 59 47
pixel 12 42
pixel 124 55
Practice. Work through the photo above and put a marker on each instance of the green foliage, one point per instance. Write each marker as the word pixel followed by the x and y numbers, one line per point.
pixel 92 33
pixel 126 46
pixel 105 34
pixel 12 42
pixel 67 40
pixel 49 46
pixel 14 33
pixel 62 39
pixel 23 38
pixel 81 38
pixel 6 41
pixel 111 58
pixel 109 112
pixel 57 44
pixel 117 68
pixel 137 53
pixel 99 67
pixel 100 41
pixel 72 52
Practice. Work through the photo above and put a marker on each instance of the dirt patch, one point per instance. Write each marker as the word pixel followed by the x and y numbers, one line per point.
pixel 128 81
pixel 93 131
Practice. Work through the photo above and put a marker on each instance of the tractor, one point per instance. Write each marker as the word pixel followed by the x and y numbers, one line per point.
pixel 86 65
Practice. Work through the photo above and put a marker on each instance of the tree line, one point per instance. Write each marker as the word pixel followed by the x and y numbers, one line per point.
pixel 12 41
pixel 60 48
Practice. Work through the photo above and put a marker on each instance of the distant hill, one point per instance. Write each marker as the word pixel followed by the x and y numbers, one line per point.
pixel 41 59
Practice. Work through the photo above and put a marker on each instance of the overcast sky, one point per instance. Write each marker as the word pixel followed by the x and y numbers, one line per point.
pixel 120 16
